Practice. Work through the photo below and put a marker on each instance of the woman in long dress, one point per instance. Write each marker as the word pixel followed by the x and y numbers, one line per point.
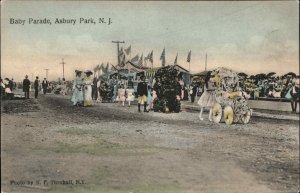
pixel 87 85
pixel 77 97
pixel 207 99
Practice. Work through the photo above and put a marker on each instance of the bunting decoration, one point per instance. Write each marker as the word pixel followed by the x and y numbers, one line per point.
pixel 163 58
pixel 189 57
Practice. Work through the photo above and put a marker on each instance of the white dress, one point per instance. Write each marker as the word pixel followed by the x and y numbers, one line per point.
pixel 130 94
pixel 77 96
pixel 208 98
pixel 121 95
pixel 88 100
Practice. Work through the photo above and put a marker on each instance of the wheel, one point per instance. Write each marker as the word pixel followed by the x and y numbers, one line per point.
pixel 246 117
pixel 228 115
pixel 217 113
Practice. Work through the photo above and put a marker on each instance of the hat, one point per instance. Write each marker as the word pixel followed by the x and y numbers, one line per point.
pixel 88 72
pixel 78 71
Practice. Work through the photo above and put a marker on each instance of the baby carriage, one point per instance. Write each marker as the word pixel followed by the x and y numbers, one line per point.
pixel 231 99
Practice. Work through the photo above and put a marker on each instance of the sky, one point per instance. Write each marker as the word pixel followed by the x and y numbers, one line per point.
pixel 249 37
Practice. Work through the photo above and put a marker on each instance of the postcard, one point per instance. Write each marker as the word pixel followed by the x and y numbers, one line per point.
pixel 149 96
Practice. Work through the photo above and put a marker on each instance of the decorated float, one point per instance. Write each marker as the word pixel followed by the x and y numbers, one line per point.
pixel 231 99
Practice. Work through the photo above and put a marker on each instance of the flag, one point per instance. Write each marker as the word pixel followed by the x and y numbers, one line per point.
pixel 128 50
pixel 122 64
pixel 102 68
pixel 163 57
pixel 121 52
pixel 96 68
pixel 140 63
pixel 151 57
pixel 107 67
pixel 175 62
pixel 189 57
pixel 135 59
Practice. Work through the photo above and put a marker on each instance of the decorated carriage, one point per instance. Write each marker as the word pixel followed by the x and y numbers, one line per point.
pixel 231 99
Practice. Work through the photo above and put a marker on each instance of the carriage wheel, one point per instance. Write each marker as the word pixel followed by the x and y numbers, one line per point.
pixel 217 113
pixel 228 115
pixel 246 117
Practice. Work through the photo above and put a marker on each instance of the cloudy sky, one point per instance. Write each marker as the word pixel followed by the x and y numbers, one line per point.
pixel 251 37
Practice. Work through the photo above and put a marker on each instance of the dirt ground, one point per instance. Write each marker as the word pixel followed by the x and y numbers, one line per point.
pixel 48 145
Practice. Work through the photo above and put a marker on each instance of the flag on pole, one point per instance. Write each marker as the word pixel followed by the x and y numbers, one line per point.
pixel 121 52
pixel 189 57
pixel 123 61
pixel 163 57
pixel 96 68
pixel 140 63
pixel 135 58
pixel 128 50
pixel 107 67
pixel 151 57
pixel 175 62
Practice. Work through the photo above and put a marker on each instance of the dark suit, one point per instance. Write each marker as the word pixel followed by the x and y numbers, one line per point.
pixel 36 88
pixel 45 86
pixel 26 86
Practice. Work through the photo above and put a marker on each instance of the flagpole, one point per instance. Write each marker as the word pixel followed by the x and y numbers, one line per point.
pixel 205 61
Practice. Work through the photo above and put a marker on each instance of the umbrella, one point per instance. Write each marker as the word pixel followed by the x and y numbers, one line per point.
pixel 242 74
pixel 252 77
pixel 261 76
pixel 271 74
pixel 291 74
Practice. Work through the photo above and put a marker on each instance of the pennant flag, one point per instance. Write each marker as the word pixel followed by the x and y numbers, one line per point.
pixel 121 52
pixel 102 68
pixel 163 57
pixel 175 62
pixel 135 59
pixel 141 61
pixel 128 50
pixel 122 64
pixel 151 57
pixel 96 68
pixel 189 57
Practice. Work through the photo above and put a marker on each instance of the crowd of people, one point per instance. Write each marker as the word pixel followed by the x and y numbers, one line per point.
pixel 86 89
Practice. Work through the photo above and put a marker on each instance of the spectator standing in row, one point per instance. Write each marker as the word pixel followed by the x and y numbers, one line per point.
pixel 294 95
pixel 193 90
pixel 142 92
pixel 26 86
pixel 36 87
pixel 45 85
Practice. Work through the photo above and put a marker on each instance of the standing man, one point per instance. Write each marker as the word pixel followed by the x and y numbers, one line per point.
pixel 26 86
pixel 45 85
pixel 142 92
pixel 193 91
pixel 36 87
